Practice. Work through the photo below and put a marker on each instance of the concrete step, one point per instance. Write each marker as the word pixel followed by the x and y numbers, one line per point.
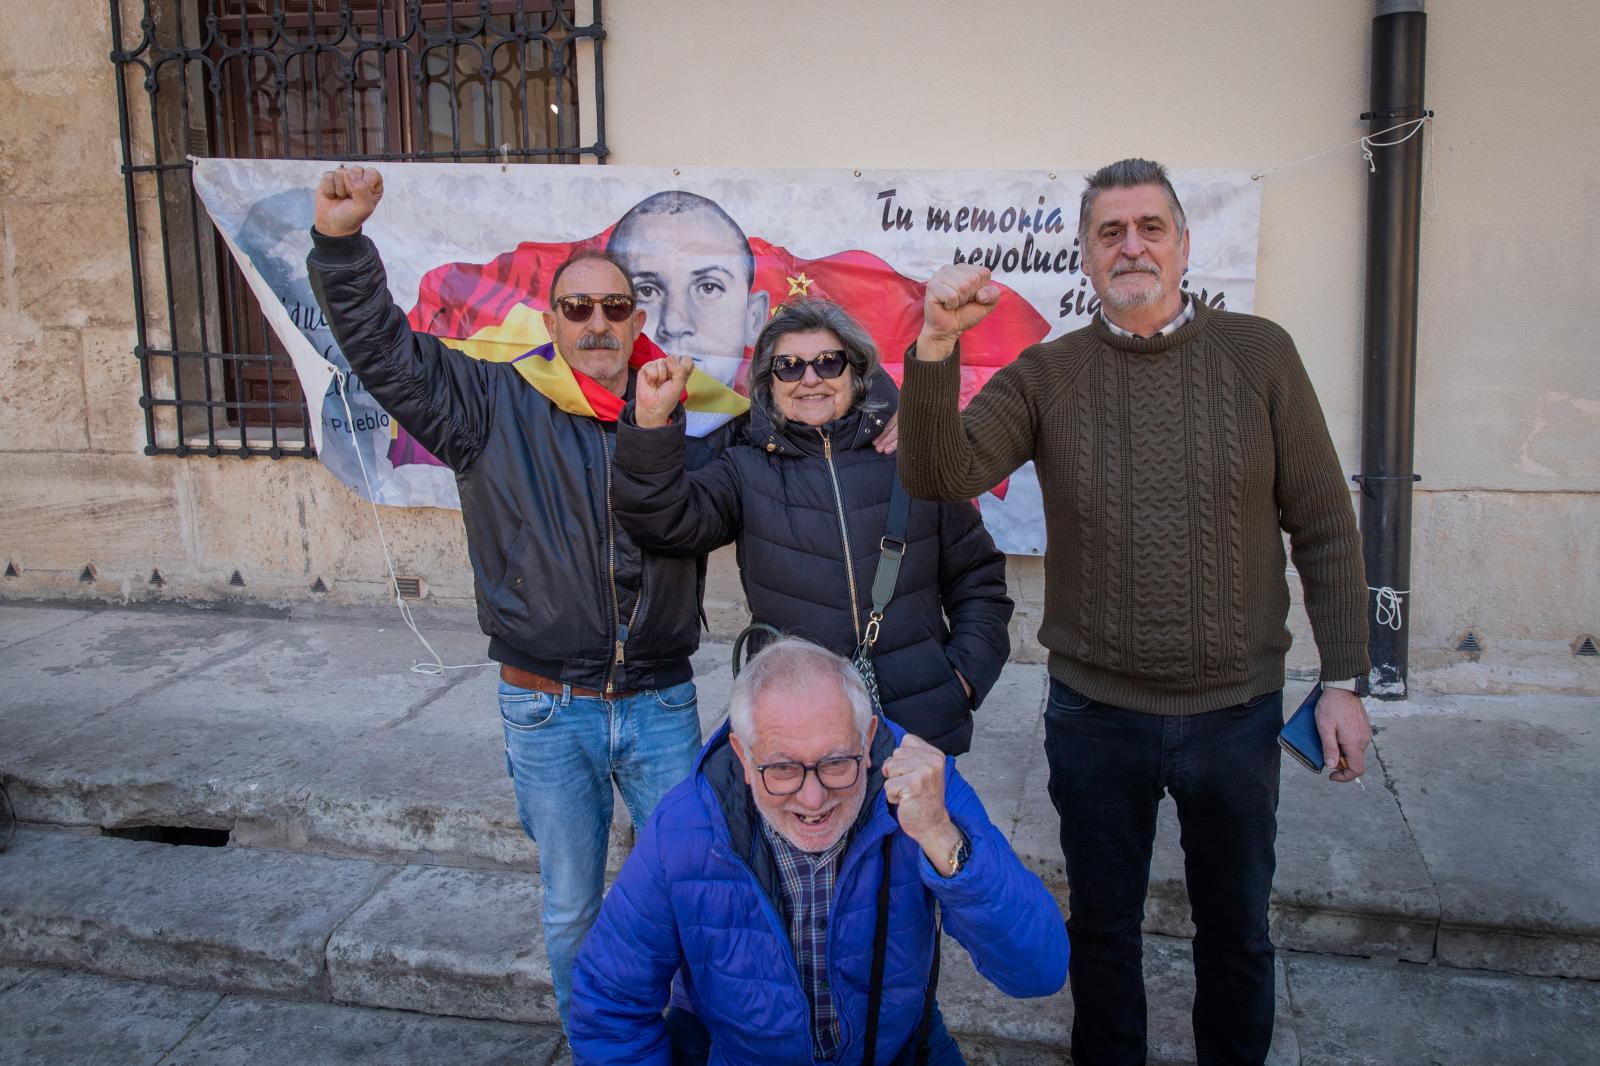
pixel 316 737
pixel 116 951
pixel 437 940
pixel 1476 840
pixel 78 1019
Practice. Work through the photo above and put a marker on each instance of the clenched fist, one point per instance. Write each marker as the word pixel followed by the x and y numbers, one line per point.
pixel 913 779
pixel 346 198
pixel 659 388
pixel 957 298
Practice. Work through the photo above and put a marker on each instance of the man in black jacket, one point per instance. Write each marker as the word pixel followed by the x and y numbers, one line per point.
pixel 593 635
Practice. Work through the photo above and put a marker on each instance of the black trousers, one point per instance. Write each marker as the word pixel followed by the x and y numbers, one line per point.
pixel 1108 770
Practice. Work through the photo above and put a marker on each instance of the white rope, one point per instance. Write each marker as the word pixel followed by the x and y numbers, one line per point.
pixel 1386 608
pixel 1367 142
pixel 437 667
pixel 1430 187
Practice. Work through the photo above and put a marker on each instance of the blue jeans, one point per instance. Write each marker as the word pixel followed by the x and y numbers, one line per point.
pixel 1108 769
pixel 563 752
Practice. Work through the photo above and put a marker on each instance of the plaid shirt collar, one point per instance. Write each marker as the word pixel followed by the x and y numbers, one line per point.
pixel 805 882
pixel 1177 323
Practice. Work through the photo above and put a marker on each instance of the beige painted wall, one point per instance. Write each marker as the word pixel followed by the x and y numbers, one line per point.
pixel 1508 427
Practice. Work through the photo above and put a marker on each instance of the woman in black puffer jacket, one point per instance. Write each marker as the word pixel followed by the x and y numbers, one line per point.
pixel 808 483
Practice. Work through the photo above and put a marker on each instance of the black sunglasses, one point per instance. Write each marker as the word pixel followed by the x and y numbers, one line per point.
pixel 578 307
pixel 828 364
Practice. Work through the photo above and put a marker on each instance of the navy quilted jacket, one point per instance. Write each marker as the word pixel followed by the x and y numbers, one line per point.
pixel 699 891
pixel 792 499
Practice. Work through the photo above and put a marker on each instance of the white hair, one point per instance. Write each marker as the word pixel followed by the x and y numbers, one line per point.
pixel 797 666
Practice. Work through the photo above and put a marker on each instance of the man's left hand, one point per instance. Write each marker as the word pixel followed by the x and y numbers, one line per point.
pixel 1345 731
pixel 913 778
pixel 887 441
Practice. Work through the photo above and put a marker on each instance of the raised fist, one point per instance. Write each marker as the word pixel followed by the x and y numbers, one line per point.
pixel 913 778
pixel 346 198
pixel 957 298
pixel 659 388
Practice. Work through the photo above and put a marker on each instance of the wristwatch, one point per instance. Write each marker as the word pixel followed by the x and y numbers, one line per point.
pixel 959 854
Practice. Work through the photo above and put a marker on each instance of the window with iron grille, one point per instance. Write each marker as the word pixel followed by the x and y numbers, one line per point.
pixel 365 80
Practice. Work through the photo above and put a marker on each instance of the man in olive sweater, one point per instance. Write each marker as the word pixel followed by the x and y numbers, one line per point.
pixel 1174 444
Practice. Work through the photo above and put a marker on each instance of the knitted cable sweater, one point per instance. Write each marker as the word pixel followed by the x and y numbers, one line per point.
pixel 1168 467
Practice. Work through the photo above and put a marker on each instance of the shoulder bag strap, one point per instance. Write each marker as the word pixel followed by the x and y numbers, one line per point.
pixel 880 943
pixel 893 549
pixel 925 1030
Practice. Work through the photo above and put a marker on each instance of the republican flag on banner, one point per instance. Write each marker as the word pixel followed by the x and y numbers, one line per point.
pixel 889 305
pixel 492 311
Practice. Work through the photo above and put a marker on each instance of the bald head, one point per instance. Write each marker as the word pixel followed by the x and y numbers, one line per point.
pixel 700 222
pixel 692 271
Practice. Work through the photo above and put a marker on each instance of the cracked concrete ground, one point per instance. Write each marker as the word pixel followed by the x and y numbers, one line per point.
pixel 1474 851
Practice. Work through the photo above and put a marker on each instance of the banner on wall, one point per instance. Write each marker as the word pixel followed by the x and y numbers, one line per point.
pixel 470 248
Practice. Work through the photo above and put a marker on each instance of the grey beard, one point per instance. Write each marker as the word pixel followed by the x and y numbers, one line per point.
pixel 1155 294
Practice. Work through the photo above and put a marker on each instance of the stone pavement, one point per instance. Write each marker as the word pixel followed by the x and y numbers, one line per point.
pixel 375 866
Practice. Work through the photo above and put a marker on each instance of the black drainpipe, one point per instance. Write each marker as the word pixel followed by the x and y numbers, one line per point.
pixel 1394 216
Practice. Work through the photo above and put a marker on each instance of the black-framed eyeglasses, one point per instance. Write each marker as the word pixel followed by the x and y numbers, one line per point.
pixel 833 773
pixel 579 306
pixel 828 364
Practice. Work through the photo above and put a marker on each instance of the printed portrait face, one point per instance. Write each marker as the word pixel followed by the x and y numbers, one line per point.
pixel 692 272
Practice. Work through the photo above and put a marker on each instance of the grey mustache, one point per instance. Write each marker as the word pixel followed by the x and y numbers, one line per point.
pixel 1141 266
pixel 590 341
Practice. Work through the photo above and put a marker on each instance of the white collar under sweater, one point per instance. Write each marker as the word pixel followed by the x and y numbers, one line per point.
pixel 1184 315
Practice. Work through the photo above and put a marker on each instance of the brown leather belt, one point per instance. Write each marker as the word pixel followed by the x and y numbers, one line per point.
pixel 511 675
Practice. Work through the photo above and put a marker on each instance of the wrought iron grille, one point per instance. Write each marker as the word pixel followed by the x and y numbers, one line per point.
pixel 364 80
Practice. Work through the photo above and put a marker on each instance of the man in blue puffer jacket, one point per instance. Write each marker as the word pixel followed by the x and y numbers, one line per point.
pixel 759 877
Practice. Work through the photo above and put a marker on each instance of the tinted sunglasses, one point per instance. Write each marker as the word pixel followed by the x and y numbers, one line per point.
pixel 828 364
pixel 578 307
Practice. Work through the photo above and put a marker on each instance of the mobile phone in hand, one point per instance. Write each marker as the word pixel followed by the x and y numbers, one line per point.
pixel 1299 735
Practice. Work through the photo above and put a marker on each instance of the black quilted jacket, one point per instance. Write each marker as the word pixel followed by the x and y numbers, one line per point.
pixel 792 500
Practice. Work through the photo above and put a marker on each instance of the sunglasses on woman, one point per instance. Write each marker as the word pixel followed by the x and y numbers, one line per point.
pixel 578 307
pixel 828 364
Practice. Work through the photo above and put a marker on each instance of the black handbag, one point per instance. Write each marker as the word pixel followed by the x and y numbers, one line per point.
pixel 751 639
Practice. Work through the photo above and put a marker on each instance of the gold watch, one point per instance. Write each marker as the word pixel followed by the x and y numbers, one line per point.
pixel 960 853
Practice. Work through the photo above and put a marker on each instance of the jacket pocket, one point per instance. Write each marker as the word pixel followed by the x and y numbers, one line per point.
pixel 518 609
